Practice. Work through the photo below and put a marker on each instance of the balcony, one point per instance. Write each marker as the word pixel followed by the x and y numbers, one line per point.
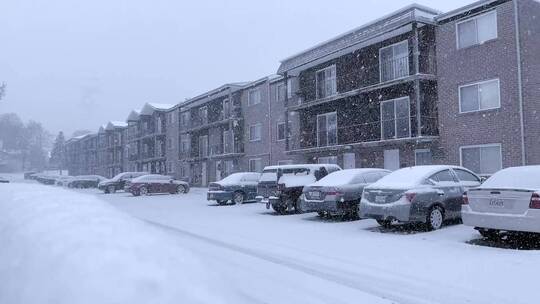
pixel 362 134
pixel 369 77
pixel 220 150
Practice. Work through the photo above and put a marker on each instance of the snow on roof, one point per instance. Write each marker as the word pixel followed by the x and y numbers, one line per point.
pixel 344 177
pixel 514 178
pixel 116 125
pixel 408 177
pixel 133 115
pixel 309 166
pixel 464 9
pixel 358 35
pixel 150 108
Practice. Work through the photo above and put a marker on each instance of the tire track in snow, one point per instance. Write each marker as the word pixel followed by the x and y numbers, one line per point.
pixel 384 285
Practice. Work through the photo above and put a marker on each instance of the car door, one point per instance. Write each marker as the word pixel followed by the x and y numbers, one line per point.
pixel 250 186
pixel 448 191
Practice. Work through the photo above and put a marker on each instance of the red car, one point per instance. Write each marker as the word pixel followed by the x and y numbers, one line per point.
pixel 154 183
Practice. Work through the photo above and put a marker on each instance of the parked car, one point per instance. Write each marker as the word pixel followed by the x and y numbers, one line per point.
pixel 508 201
pixel 29 175
pixel 282 186
pixel 3 180
pixel 155 183
pixel 63 180
pixel 339 193
pixel 85 181
pixel 237 188
pixel 118 182
pixel 47 179
pixel 423 194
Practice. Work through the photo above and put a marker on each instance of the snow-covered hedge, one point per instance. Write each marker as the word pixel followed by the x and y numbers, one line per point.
pixel 58 246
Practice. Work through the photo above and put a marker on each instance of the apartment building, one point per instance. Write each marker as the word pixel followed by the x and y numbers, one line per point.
pixel 115 133
pixel 211 134
pixel 367 98
pixel 146 138
pixel 489 84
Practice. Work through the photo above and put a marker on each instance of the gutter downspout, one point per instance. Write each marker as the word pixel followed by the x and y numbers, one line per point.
pixel 270 122
pixel 520 82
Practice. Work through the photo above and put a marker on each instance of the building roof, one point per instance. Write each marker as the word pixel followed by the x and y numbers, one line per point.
pixel 207 96
pixel 116 125
pixel 150 108
pixel 464 9
pixel 133 115
pixel 355 38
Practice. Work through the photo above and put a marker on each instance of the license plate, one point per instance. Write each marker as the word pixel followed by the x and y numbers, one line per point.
pixel 315 194
pixel 496 203
pixel 380 199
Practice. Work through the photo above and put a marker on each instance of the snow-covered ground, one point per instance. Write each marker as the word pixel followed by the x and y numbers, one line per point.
pixel 257 256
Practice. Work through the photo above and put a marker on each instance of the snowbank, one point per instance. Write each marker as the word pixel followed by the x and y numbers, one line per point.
pixel 59 246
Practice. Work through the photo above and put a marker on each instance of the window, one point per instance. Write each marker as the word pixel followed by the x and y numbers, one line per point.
pixel 326 82
pixel 184 143
pixel 485 160
pixel 203 115
pixel 423 157
pixel 169 167
pixel 327 129
pixel 280 92
pixel 203 146
pixel 255 132
pixel 479 96
pixel 395 118
pixel 280 131
pixel 255 165
pixel 476 30
pixel 227 142
pixel 465 176
pixel 394 61
pixel 254 97
pixel 185 118
pixel 169 143
pixel 290 88
pixel 443 176
pixel 328 160
pixel 226 109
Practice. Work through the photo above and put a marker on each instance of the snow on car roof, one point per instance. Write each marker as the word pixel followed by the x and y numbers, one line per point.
pixel 525 178
pixel 408 177
pixel 151 177
pixel 344 177
pixel 309 166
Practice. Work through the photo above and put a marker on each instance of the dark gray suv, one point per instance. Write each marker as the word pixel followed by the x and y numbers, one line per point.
pixel 423 194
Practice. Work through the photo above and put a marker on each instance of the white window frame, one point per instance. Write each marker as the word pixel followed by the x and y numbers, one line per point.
pixel 393 58
pixel 481 146
pixel 204 120
pixel 421 151
pixel 332 67
pixel 254 160
pixel 284 131
pixel 281 86
pixel 476 23
pixel 258 101
pixel 395 118
pixel 260 133
pixel 327 132
pixel 478 83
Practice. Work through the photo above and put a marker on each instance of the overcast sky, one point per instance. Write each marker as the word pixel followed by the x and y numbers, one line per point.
pixel 78 64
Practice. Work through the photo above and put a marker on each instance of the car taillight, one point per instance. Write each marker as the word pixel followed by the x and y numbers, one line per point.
pixel 535 201
pixel 465 200
pixel 410 196
pixel 334 191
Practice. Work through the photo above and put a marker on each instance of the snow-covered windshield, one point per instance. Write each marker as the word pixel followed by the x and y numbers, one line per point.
pixel 515 178
pixel 269 175
pixel 407 177
pixel 232 179
pixel 117 177
pixel 343 177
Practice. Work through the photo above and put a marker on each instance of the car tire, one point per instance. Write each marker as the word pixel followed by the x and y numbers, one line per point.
pixel 490 234
pixel 298 207
pixel 435 218
pixel 136 193
pixel 280 209
pixel 321 214
pixel 143 190
pixel 111 189
pixel 180 189
pixel 239 197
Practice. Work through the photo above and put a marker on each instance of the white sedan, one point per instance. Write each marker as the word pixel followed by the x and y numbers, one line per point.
pixel 508 201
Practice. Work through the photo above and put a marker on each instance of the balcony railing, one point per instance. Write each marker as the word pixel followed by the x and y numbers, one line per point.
pixel 217 150
pixel 362 133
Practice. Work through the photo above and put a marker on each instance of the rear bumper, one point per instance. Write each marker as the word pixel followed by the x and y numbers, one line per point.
pixel 528 222
pixel 219 196
pixel 330 206
pixel 400 212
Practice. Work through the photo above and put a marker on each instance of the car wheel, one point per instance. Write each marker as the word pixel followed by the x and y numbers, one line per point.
pixel 143 190
pixel 385 223
pixel 238 197
pixel 111 189
pixel 180 189
pixel 280 209
pixel 135 193
pixel 298 206
pixel 321 214
pixel 435 218
pixel 490 234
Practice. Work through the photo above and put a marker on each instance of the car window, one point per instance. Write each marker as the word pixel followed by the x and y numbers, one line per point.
pixel 372 177
pixel 443 176
pixel 359 179
pixel 466 176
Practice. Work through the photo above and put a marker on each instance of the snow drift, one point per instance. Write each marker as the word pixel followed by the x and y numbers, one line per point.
pixel 59 246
